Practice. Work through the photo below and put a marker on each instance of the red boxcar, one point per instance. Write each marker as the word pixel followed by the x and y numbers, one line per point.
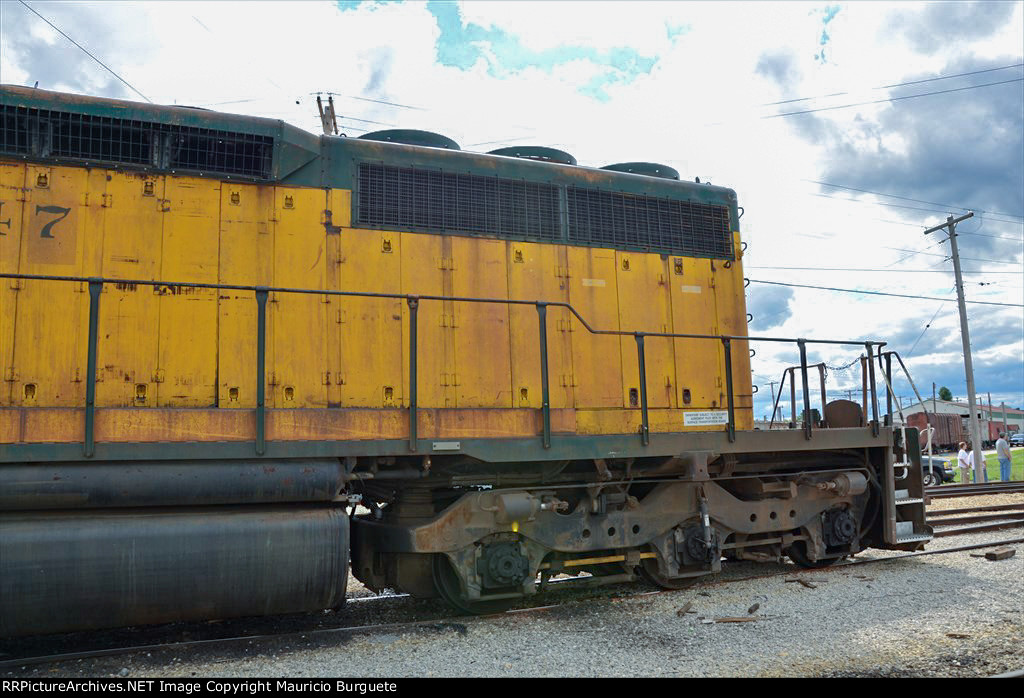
pixel 949 429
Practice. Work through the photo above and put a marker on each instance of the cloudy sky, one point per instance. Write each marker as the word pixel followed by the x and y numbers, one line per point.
pixel 753 96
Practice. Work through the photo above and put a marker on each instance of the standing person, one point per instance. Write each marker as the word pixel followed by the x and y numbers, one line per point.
pixel 1003 454
pixel 962 462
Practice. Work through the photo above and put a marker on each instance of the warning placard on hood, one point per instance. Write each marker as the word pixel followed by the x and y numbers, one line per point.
pixel 710 417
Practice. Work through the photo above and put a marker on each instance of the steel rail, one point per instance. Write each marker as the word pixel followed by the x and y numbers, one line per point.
pixel 976 528
pixel 975 510
pixel 960 493
pixel 362 629
pixel 978 485
pixel 961 519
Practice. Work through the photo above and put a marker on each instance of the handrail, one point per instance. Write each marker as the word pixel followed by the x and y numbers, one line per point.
pixel 413 300
pixel 782 383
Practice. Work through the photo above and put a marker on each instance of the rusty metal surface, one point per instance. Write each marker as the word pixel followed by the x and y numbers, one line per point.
pixel 476 516
pixel 844 414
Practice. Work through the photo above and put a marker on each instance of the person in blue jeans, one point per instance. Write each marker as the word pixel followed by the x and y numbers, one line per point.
pixel 1003 455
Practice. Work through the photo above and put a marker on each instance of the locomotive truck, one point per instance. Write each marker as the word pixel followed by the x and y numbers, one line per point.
pixel 220 333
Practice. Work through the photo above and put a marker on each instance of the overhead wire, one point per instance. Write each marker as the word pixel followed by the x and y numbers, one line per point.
pixel 930 254
pixel 907 198
pixel 890 271
pixel 913 208
pixel 927 325
pixel 881 293
pixel 899 84
pixel 913 253
pixel 85 51
pixel 893 99
pixel 368 99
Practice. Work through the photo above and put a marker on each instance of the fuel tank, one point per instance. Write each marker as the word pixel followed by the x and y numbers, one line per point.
pixel 65 571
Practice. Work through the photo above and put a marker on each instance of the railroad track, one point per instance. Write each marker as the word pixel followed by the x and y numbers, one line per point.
pixel 439 622
pixel 985 488
pixel 950 522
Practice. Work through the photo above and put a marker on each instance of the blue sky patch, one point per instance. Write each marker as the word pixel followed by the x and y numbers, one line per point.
pixel 463 45
pixel 829 14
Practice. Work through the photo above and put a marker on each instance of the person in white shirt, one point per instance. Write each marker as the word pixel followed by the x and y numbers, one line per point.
pixel 963 461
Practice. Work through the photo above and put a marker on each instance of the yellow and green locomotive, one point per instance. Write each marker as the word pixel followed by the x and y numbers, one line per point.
pixel 219 333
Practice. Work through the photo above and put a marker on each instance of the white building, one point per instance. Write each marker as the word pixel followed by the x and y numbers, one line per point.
pixel 1008 419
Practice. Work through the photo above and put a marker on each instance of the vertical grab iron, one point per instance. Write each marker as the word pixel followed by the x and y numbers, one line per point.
pixel 888 392
pixel 542 320
pixel 414 304
pixel 727 346
pixel 874 394
pixel 261 371
pixel 645 431
pixel 808 415
pixel 95 287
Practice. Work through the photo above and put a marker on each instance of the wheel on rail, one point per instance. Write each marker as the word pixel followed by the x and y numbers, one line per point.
pixel 446 581
pixel 798 554
pixel 649 571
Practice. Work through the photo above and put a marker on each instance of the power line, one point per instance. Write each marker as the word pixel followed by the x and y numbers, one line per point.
pixel 898 84
pixel 912 252
pixel 914 346
pixel 917 208
pixel 881 293
pixel 973 259
pixel 929 324
pixel 894 99
pixel 907 198
pixel 367 99
pixel 890 271
pixel 996 237
pixel 368 121
pixel 58 30
pixel 509 140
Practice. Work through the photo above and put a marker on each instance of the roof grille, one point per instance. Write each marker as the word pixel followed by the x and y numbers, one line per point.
pixel 434 200
pixel 44 133
pixel 614 219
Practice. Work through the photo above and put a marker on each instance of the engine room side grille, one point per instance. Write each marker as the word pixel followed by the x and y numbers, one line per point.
pixel 409 197
pixel 615 219
pixel 46 133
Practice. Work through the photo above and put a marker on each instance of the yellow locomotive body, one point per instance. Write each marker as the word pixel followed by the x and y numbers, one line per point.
pixel 219 333
pixel 163 349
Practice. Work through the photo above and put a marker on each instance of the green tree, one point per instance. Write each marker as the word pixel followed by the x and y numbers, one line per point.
pixel 945 394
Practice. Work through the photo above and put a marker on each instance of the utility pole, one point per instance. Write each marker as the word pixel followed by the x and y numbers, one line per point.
pixel 991 418
pixel 965 336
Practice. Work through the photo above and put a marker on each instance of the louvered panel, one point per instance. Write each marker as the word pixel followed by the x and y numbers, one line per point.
pixel 635 221
pixel 434 200
pixel 48 133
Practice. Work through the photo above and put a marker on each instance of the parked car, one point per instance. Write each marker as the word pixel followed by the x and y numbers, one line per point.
pixel 936 470
pixel 1017 439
